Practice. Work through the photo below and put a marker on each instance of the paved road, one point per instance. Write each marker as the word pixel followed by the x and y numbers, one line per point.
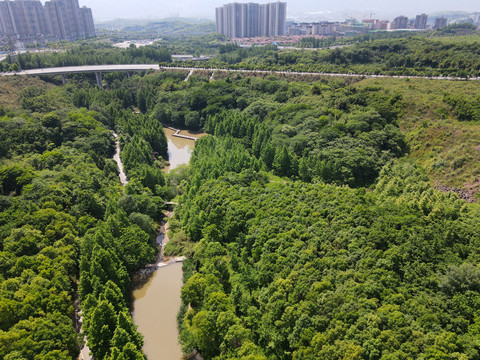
pixel 143 67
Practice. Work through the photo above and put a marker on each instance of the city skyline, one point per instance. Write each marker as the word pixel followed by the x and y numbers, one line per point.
pixel 299 9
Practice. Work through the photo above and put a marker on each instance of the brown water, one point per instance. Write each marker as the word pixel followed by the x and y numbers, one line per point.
pixel 157 302
pixel 180 150
pixel 155 312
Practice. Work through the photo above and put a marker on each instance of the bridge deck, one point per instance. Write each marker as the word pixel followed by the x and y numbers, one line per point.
pixel 86 69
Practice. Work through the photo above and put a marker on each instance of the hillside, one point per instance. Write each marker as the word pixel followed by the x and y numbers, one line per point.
pixel 174 27
pixel 11 88
pixel 446 148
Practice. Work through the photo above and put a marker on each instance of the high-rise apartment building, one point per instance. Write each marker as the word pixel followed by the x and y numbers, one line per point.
pixel 420 22
pixel 56 20
pixel 239 20
pixel 440 23
pixel 400 22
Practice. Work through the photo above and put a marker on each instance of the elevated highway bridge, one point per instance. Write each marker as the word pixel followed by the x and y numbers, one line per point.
pixel 97 69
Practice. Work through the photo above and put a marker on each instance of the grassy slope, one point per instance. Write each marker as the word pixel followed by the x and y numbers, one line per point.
pixel 447 149
pixel 12 86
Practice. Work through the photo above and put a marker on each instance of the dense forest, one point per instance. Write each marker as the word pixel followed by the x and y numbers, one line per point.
pixel 310 233
pixel 294 266
pixel 312 271
pixel 67 228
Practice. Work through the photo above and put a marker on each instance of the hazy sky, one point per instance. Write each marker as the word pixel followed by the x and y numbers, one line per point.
pixel 297 9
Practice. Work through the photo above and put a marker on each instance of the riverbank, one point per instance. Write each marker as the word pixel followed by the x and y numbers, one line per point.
pixel 156 297
pixel 156 300
pixel 143 275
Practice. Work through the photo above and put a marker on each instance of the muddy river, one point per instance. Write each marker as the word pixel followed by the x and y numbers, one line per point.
pixel 156 303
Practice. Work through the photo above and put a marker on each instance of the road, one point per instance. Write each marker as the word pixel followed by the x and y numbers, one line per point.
pixel 144 67
pixel 273 72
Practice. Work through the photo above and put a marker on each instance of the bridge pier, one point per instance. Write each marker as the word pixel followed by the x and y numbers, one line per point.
pixel 129 74
pixel 98 75
pixel 64 81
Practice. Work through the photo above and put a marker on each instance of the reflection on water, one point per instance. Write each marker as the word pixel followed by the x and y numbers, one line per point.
pixel 156 305
pixel 180 150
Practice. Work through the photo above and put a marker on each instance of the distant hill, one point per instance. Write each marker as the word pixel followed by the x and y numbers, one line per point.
pixel 168 26
pixel 459 16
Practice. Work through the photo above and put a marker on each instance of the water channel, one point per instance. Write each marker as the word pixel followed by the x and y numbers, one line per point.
pixel 157 301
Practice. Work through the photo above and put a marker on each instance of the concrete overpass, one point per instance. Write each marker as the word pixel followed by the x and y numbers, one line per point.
pixel 97 69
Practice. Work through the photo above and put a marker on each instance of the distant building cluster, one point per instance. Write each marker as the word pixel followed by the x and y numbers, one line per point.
pixel 477 19
pixel 28 20
pixel 420 22
pixel 250 20
pixel 470 19
pixel 352 27
pixel 323 28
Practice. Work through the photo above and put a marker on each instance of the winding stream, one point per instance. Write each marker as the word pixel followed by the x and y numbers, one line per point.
pixel 157 301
